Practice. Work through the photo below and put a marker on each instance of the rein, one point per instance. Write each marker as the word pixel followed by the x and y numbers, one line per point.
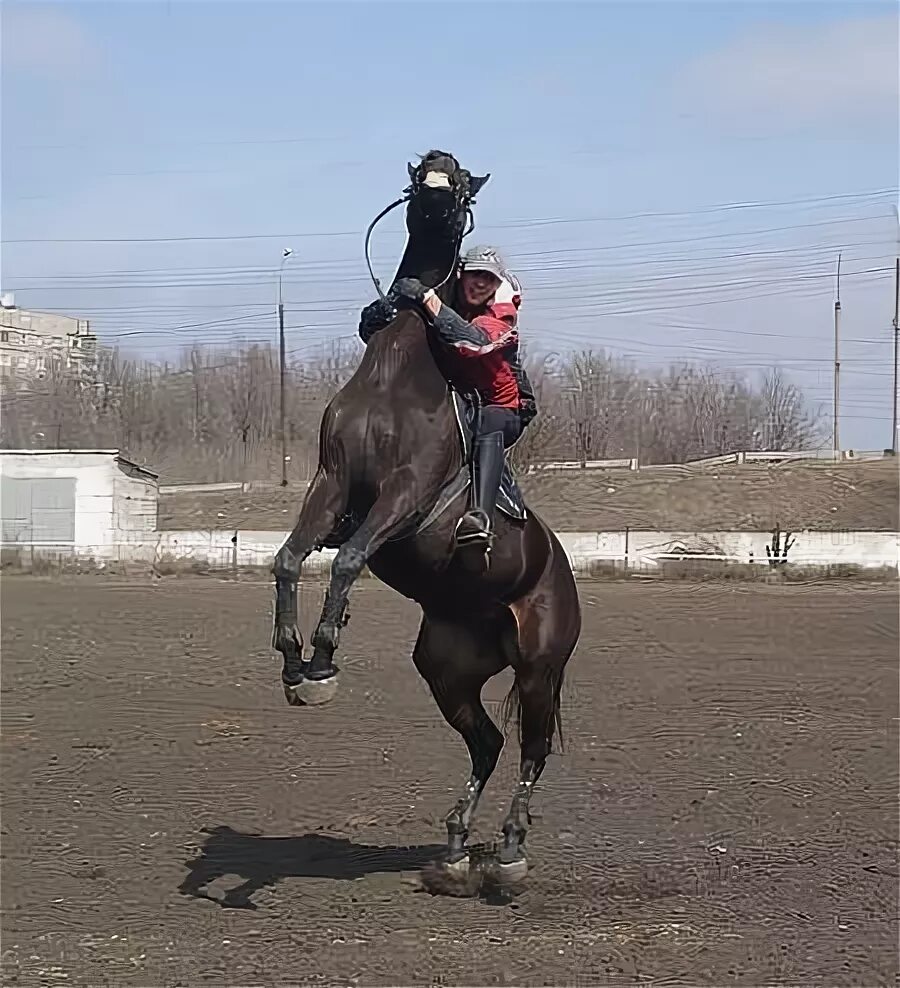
pixel 372 225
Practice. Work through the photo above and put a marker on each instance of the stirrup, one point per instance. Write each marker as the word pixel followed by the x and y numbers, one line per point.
pixel 483 533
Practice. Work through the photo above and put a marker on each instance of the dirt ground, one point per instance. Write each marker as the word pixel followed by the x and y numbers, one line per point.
pixel 725 811
pixel 861 496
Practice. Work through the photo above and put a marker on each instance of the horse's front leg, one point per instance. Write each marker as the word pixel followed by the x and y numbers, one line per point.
pixel 317 519
pixel 391 511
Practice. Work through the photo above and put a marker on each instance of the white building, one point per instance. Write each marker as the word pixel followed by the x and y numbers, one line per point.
pixel 91 503
pixel 32 342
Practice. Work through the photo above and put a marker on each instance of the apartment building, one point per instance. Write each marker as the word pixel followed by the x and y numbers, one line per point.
pixel 32 342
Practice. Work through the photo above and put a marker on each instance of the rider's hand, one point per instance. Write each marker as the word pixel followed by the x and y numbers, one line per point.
pixel 374 317
pixel 410 288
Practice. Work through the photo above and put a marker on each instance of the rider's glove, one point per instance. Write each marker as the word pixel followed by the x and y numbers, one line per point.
pixel 410 288
pixel 374 317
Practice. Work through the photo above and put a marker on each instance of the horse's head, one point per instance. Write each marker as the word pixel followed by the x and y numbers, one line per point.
pixel 441 194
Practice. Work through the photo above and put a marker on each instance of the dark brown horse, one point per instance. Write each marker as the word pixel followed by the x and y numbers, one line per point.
pixel 389 446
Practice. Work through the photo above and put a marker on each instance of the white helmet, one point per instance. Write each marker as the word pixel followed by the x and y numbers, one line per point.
pixel 509 290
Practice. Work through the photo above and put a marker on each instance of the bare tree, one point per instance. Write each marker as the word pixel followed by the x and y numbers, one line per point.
pixel 600 394
pixel 545 437
pixel 787 422
pixel 213 414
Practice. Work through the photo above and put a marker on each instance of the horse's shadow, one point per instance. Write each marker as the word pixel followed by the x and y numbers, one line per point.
pixel 263 861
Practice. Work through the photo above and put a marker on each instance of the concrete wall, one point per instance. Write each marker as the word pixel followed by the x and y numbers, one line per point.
pixel 638 551
pixel 135 502
pixel 115 519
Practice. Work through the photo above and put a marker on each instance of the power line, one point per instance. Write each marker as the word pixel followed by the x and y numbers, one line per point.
pixel 512 224
pixel 330 266
pixel 229 279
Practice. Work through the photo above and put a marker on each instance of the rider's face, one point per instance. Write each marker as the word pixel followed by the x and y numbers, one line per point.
pixel 478 287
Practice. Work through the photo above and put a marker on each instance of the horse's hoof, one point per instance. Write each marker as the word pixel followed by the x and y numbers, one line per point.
pixel 311 692
pixel 458 869
pixel 509 874
pixel 457 879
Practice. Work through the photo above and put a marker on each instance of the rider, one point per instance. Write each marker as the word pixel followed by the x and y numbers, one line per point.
pixel 483 356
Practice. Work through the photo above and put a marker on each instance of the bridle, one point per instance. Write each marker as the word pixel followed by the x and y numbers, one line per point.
pixel 463 194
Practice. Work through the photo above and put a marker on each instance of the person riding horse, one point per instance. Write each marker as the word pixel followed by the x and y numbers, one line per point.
pixel 389 454
pixel 481 354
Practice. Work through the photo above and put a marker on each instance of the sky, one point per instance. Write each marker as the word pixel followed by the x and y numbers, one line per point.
pixel 671 181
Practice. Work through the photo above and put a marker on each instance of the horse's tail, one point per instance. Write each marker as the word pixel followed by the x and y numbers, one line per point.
pixel 511 710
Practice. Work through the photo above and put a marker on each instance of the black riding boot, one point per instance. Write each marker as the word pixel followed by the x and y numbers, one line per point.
pixel 477 524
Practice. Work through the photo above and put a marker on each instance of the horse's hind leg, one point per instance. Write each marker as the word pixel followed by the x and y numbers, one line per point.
pixel 537 695
pixel 541 640
pixel 317 519
pixel 456 662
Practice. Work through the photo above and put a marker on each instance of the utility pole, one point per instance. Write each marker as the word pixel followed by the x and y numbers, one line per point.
pixel 837 363
pixel 894 443
pixel 285 254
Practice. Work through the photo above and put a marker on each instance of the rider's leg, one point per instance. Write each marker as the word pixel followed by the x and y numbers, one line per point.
pixel 498 429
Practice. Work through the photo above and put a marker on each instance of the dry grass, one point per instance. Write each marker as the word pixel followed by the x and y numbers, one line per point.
pixel 810 495
pixel 671 570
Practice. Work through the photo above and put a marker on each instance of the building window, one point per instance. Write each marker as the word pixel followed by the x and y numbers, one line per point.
pixel 4 336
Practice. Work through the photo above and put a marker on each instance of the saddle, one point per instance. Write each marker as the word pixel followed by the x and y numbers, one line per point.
pixel 509 497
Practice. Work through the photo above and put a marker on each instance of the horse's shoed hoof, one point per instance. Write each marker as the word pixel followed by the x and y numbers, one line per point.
pixel 311 692
pixel 459 868
pixel 509 873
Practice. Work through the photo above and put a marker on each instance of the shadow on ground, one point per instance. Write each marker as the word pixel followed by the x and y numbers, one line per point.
pixel 263 861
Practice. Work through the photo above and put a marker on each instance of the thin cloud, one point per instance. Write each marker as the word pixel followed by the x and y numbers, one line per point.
pixel 844 72
pixel 41 40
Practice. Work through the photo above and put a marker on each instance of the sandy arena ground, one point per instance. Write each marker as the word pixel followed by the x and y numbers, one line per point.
pixel 725 811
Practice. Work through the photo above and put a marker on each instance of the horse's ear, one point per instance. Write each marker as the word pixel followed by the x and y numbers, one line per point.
pixel 411 169
pixel 477 183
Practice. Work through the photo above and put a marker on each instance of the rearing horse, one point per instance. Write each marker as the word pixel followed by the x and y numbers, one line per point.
pixel 389 445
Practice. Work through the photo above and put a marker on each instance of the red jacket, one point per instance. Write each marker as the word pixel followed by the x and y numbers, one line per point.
pixel 477 352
